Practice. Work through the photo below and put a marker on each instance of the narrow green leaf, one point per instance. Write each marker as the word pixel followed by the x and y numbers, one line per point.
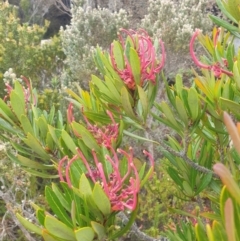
pixel 118 54
pixel 99 230
pixel 48 237
pixel 69 142
pixel 175 177
pixel 32 142
pixel 5 108
pixel 193 103
pixel 26 125
pixel 115 93
pixel 27 224
pixel 58 229
pixel 32 164
pixel 73 214
pixel 84 234
pixel 187 188
pixel 169 114
pixel 7 127
pixel 86 136
pixel 181 111
pixel 18 104
pixel 135 64
pixel 40 174
pixel 84 186
pixel 144 101
pixel 204 182
pixel 43 126
pixel 57 207
pixel 101 199
pixel 40 216
pixel 126 103
pixel 231 28
pixel 61 197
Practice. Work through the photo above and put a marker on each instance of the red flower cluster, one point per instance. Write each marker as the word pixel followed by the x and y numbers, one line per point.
pixel 147 55
pixel 216 68
pixel 121 190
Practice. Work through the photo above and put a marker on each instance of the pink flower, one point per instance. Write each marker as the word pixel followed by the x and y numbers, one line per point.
pixel 104 135
pixel 29 97
pixel 216 68
pixel 121 189
pixel 147 55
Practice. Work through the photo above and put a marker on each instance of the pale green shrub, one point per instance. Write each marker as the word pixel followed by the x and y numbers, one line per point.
pixel 174 21
pixel 89 28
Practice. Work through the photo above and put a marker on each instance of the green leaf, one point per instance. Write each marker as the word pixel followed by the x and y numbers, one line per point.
pixel 7 127
pixel 32 164
pixel 57 207
pixel 84 234
pixel 135 64
pixel 169 114
pixel 18 104
pixel 175 177
pixel 126 103
pixel 40 174
pixel 8 112
pixel 40 216
pixel 146 177
pixel 144 101
pixel 204 182
pixel 218 231
pixel 69 142
pixel 61 197
pixel 58 229
pixel 26 125
pixel 101 86
pixel 231 28
pixel 27 224
pixel 32 142
pixel 84 186
pixel 101 199
pixel 187 188
pixel 193 103
pixel 115 93
pixel 50 118
pixel 6 109
pixel 86 136
pixel 99 230
pixel 224 11
pixel 181 111
pixel 73 214
pixel 230 105
pixel 138 137
pixel 48 237
pixel 43 126
pixel 118 55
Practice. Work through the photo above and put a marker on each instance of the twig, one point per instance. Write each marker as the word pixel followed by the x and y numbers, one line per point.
pixel 187 160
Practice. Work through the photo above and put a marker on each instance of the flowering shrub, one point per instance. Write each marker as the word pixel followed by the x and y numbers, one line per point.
pixel 97 185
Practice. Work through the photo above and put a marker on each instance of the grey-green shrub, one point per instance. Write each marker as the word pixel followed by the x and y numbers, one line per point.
pixel 174 21
pixel 89 28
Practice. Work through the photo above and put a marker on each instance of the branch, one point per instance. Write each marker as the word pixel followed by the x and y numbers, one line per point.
pixel 187 160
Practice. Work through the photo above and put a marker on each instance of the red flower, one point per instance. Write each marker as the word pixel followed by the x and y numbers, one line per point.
pixel 147 55
pixel 122 190
pixel 216 68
